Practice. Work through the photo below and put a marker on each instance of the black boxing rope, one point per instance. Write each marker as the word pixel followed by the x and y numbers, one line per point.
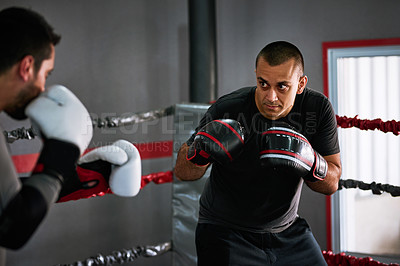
pixel 377 188
pixel 124 255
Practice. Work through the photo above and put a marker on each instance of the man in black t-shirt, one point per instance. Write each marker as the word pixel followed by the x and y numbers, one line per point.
pixel 263 142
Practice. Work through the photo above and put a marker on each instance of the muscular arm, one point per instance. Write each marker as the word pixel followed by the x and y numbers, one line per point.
pixel 330 184
pixel 184 169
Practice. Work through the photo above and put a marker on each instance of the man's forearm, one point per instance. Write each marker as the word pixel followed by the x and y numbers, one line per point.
pixel 25 212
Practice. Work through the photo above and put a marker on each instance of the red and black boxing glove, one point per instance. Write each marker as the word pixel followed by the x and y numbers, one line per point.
pixel 218 141
pixel 285 149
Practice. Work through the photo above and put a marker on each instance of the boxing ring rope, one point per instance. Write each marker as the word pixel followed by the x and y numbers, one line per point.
pixel 342 259
pixel 19 133
pixel 123 256
pixel 365 124
pixel 133 118
pixel 107 122
pixel 377 188
pixel 132 254
pixel 157 178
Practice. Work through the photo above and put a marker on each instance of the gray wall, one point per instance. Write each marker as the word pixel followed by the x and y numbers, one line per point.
pixel 130 56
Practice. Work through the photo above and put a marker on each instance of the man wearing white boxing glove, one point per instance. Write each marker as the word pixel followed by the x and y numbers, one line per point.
pixel 66 129
pixel 26 59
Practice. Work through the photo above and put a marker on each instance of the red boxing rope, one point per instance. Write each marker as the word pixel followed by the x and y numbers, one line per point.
pixel 342 259
pixel 157 178
pixel 365 124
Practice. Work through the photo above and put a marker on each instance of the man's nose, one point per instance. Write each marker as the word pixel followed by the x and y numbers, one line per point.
pixel 43 88
pixel 271 95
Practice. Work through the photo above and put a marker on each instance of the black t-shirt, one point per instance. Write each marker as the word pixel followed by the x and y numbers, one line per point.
pixel 242 194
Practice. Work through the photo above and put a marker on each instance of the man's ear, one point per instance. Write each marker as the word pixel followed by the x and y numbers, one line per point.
pixel 302 84
pixel 26 67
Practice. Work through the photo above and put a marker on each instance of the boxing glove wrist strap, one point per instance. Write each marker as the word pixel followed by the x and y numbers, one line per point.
pixel 319 170
pixel 58 159
pixel 197 156
pixel 89 180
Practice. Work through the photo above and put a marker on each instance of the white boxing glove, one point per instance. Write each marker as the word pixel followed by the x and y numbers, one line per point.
pixel 66 128
pixel 125 180
pixel 60 115
pixel 115 167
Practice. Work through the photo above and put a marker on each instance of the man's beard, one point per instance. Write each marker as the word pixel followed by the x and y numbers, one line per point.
pixel 17 113
pixel 16 110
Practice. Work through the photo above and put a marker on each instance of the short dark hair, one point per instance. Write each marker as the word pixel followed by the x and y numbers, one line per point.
pixel 279 52
pixel 24 32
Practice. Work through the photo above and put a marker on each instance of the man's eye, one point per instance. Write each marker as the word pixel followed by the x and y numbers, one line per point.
pixel 263 84
pixel 283 87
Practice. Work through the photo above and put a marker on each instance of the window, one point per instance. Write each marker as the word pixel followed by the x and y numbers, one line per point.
pixel 363 78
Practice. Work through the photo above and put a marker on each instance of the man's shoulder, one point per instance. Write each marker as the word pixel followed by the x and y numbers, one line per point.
pixel 311 94
pixel 236 98
pixel 311 101
pixel 235 102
